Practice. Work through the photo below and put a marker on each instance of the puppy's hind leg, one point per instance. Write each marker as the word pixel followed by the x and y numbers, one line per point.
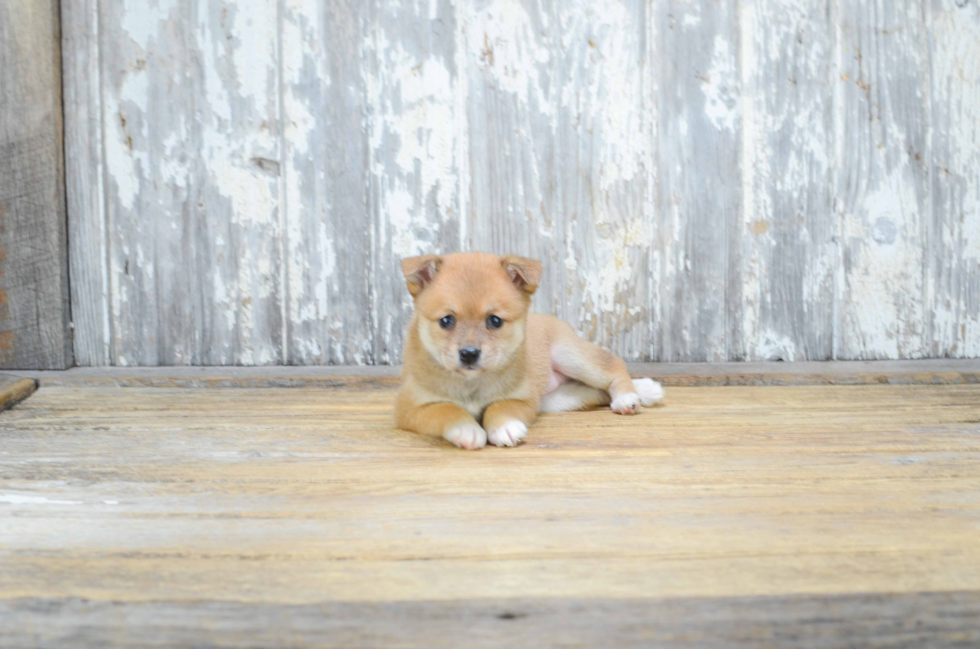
pixel 650 391
pixel 572 396
pixel 595 367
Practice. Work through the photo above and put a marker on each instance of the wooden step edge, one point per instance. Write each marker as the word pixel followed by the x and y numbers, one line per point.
pixel 929 372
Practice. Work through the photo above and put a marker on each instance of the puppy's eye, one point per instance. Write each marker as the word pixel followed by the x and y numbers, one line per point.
pixel 494 322
pixel 447 322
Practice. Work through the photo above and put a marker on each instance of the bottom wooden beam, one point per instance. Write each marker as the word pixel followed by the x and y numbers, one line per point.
pixel 880 620
pixel 918 372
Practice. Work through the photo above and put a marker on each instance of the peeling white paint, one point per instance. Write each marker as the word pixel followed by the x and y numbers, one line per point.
pixel 142 22
pixel 603 288
pixel 955 280
pixel 721 97
pixel 756 205
pixel 771 346
pixel 885 293
pixel 507 41
pixel 536 128
pixel 413 140
pixel 883 191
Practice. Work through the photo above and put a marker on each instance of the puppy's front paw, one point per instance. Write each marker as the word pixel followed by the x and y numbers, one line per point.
pixel 510 433
pixel 650 391
pixel 468 436
pixel 626 404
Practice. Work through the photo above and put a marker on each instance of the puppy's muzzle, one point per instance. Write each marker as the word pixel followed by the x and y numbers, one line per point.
pixel 469 356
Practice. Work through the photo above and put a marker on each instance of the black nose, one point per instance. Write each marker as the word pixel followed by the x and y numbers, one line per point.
pixel 469 355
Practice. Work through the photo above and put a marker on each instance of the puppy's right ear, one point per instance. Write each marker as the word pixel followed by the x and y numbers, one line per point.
pixel 419 272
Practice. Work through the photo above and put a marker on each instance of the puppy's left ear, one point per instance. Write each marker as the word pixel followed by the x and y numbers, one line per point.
pixel 525 273
pixel 419 272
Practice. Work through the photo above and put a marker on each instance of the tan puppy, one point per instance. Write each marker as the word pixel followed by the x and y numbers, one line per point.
pixel 474 354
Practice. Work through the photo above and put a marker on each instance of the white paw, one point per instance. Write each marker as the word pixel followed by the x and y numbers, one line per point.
pixel 510 434
pixel 626 404
pixel 468 436
pixel 650 391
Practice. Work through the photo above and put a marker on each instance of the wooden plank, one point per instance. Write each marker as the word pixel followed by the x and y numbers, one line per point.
pixel 85 182
pixel 954 237
pixel 699 293
pixel 561 117
pixel 788 226
pixel 192 140
pixel 514 208
pixel 415 183
pixel 14 389
pixel 882 620
pixel 35 328
pixel 329 317
pixel 310 496
pixel 882 184
pixel 922 372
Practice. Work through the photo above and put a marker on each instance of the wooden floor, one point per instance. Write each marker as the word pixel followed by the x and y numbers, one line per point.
pixel 816 516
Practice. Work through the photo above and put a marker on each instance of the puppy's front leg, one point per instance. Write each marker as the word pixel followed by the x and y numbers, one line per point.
pixel 444 419
pixel 506 421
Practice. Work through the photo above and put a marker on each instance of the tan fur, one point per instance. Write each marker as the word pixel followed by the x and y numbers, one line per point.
pixel 503 395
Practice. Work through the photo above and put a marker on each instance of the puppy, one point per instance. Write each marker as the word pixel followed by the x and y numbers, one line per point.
pixel 478 368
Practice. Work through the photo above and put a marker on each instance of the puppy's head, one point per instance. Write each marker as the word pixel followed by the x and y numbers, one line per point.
pixel 472 307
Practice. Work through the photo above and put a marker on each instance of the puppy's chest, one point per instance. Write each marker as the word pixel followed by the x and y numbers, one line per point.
pixel 476 397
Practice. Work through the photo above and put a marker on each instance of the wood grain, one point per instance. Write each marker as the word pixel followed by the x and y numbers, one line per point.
pixel 510 50
pixel 730 180
pixel 883 621
pixel 303 496
pixel 35 327
pixel 415 180
pixel 552 83
pixel 328 239
pixel 882 184
pixel 192 164
pixel 699 289
pixel 954 235
pixel 88 238
pixel 725 516
pixel 788 228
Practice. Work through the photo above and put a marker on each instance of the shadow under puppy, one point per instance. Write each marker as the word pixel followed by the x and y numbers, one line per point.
pixel 474 355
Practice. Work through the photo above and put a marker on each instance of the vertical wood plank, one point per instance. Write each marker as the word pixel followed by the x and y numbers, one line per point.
pixel 325 173
pixel 788 226
pixel 604 117
pixel 34 302
pixel 954 238
pixel 191 128
pixel 560 130
pixel 511 53
pixel 414 124
pixel 882 188
pixel 700 292
pixel 84 182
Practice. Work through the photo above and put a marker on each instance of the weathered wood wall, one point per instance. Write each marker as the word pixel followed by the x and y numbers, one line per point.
pixel 34 305
pixel 704 179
